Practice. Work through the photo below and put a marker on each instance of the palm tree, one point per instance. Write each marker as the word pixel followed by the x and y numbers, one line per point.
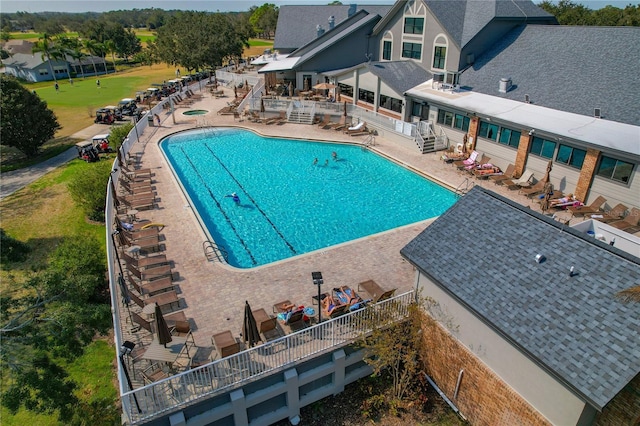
pixel 632 294
pixel 73 48
pixel 49 51
pixel 110 47
pixel 91 46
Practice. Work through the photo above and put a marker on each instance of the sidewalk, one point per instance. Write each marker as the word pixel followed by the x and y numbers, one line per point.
pixel 15 180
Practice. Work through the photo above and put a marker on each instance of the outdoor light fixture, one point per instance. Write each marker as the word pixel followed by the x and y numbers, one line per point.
pixel 127 348
pixel 531 132
pixel 317 280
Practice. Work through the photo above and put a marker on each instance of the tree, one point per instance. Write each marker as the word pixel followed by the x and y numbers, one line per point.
pixel 187 40
pixel 264 19
pixel 393 345
pixel 26 122
pixel 49 51
pixel 59 311
pixel 94 49
pixel 110 47
pixel 88 189
pixel 73 48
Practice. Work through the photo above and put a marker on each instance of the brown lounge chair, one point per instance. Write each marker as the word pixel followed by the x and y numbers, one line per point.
pixel 537 188
pixel 523 181
pixel 594 207
pixel 508 174
pixel 374 290
pixel 326 120
pixel 629 222
pixel 358 129
pixel 612 215
pixel 332 308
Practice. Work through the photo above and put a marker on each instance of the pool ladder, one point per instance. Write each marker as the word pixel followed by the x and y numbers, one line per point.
pixel 464 187
pixel 369 141
pixel 214 252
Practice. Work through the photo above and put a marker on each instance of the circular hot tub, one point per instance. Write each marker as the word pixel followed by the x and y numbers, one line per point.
pixel 196 112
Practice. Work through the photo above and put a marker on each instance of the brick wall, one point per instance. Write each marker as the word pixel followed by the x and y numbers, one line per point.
pixel 624 409
pixel 523 152
pixel 586 174
pixel 483 398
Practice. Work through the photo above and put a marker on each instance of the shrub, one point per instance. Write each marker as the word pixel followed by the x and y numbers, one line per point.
pixel 88 188
pixel 12 250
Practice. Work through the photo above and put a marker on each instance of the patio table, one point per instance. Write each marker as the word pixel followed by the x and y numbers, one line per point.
pixel 158 352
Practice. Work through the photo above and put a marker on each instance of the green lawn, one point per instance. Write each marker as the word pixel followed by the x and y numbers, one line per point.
pixel 254 42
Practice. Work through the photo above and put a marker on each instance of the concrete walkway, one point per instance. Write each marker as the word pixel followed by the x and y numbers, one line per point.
pixel 15 180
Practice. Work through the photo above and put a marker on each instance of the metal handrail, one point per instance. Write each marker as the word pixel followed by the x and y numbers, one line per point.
pixel 223 375
pixel 209 246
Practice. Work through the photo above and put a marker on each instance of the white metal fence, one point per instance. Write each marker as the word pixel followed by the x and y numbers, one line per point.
pixel 223 375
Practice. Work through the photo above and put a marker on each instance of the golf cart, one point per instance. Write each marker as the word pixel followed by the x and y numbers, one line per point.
pixel 127 106
pixel 108 115
pixel 87 152
pixel 101 143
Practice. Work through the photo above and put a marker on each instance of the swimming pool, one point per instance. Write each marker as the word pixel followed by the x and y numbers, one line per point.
pixel 287 204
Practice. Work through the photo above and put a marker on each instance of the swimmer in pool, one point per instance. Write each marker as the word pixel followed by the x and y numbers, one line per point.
pixel 326 163
pixel 334 155
pixel 315 161
pixel 234 197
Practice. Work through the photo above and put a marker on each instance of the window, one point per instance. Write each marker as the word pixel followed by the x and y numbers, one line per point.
pixel 393 104
pixel 412 50
pixel 413 25
pixel 439 56
pixel 365 95
pixel 445 117
pixel 573 157
pixel 509 137
pixel 488 130
pixel 43 72
pixel 386 50
pixel 542 147
pixel 461 122
pixel 346 89
pixel 613 169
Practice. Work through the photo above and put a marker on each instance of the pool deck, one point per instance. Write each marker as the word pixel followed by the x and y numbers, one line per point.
pixel 213 294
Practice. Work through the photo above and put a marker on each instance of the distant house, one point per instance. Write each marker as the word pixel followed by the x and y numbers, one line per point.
pixel 31 67
pixel 18 46
pixel 528 329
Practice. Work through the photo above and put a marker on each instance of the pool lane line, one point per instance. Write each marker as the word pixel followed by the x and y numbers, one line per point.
pixel 213 197
pixel 275 228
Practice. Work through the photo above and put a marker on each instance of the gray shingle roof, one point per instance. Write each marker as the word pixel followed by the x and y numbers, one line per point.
pixel 573 327
pixel 463 20
pixel 297 24
pixel 399 75
pixel 556 67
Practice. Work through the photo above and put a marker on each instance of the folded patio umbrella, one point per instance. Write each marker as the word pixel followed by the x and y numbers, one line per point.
pixel 250 334
pixel 164 335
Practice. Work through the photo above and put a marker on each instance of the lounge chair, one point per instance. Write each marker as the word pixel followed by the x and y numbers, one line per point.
pixel 358 129
pixel 326 120
pixel 153 288
pixel 631 221
pixel 332 308
pixel 225 344
pixel 534 190
pixel 289 313
pixel 340 125
pixel 141 263
pixel 612 215
pixel 486 172
pixel 594 207
pixel 467 162
pixel 349 297
pixel 164 300
pixel 374 290
pixel 508 174
pixel 523 181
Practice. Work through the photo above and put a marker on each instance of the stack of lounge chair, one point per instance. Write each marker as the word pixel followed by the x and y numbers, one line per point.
pixel 631 222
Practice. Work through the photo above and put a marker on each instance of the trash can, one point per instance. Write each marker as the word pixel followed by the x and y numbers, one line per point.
pixel 150 120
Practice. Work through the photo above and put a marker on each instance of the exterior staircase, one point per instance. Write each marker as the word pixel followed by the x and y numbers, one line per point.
pixel 300 117
pixel 427 139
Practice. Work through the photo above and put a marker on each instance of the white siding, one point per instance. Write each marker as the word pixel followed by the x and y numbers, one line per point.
pixel 562 177
pixel 616 192
pixel 348 79
pixel 536 386
pixel 501 155
pixel 368 81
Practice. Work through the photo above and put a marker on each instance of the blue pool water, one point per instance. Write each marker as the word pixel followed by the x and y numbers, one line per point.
pixel 288 205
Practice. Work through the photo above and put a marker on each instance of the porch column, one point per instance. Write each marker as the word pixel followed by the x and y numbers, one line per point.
pixel 587 173
pixel 523 151
pixel 474 128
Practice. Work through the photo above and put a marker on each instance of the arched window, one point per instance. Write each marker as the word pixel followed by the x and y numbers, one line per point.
pixel 440 52
pixel 387 44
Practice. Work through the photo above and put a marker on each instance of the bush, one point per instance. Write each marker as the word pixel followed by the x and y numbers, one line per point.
pixel 12 250
pixel 88 188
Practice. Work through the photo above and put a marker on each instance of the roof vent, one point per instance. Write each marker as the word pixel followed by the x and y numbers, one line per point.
pixel 471 58
pixel 505 85
pixel 319 30
pixel 597 113
pixel 352 10
pixel 332 22
pixel 527 100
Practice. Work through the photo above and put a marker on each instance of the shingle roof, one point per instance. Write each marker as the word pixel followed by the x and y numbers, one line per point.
pixel 555 66
pixel 399 75
pixel 574 327
pixel 297 24
pixel 463 19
